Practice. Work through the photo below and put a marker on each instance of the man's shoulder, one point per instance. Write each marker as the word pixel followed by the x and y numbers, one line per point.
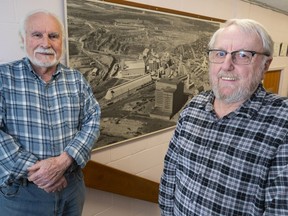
pixel 274 109
pixel 202 98
pixel 13 67
pixel 275 100
pixel 198 102
pixel 12 63
pixel 68 70
pixel 72 73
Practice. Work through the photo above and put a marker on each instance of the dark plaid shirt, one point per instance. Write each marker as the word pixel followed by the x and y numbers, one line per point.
pixel 236 165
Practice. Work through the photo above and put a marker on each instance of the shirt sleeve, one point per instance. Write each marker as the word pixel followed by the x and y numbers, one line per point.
pixel 14 160
pixel 276 193
pixel 82 144
pixel 167 181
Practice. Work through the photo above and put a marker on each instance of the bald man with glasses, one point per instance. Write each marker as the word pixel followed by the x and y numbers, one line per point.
pixel 229 151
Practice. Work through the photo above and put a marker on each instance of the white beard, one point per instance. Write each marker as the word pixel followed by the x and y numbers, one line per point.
pixel 42 63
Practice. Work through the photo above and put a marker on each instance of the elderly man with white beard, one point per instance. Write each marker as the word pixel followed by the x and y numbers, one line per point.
pixel 49 122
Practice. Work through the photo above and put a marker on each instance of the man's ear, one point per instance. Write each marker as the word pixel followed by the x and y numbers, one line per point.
pixel 21 40
pixel 267 64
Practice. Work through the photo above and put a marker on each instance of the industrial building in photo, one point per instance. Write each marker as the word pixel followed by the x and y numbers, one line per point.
pixel 127 88
pixel 169 98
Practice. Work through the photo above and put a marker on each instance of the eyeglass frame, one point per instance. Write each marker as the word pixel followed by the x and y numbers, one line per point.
pixel 253 53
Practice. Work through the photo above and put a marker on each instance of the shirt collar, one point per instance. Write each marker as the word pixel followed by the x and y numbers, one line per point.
pixel 28 64
pixel 254 103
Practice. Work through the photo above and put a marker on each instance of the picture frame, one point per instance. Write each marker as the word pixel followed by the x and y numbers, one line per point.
pixel 276 51
pixel 144 63
pixel 283 49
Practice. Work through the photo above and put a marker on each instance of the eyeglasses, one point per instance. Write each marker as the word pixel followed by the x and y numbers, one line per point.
pixel 239 57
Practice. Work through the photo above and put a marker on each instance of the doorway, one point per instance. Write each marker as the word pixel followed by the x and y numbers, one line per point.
pixel 272 80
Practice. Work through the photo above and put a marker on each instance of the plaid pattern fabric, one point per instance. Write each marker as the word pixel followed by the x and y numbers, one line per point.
pixel 236 165
pixel 40 120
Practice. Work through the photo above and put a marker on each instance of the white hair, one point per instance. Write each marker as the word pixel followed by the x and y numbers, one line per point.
pixel 251 27
pixel 23 24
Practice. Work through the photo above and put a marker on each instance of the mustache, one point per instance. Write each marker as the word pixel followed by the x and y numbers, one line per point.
pixel 44 51
pixel 227 75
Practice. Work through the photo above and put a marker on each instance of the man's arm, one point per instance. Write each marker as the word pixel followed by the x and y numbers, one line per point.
pixel 14 160
pixel 276 193
pixel 167 182
pixel 81 145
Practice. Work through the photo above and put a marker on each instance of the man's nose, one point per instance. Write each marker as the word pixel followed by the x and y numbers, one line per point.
pixel 228 62
pixel 46 41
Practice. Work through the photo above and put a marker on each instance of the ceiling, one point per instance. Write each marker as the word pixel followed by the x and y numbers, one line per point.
pixel 280 6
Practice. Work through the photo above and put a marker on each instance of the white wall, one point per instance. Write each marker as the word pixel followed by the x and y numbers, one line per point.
pixel 144 156
pixel 11 13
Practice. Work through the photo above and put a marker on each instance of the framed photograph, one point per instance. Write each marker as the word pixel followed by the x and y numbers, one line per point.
pixel 283 49
pixel 143 63
pixel 276 49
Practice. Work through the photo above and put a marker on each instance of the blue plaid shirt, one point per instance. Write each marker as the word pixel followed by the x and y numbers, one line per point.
pixel 236 165
pixel 39 120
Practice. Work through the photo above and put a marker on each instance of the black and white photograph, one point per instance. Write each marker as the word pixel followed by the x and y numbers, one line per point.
pixel 142 65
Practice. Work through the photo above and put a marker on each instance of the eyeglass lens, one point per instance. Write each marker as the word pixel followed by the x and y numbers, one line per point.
pixel 238 57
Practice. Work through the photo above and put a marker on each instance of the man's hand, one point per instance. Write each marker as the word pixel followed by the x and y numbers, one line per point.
pixel 48 174
pixel 58 186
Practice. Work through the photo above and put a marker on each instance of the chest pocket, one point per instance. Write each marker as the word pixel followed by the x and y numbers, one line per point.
pixel 72 110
